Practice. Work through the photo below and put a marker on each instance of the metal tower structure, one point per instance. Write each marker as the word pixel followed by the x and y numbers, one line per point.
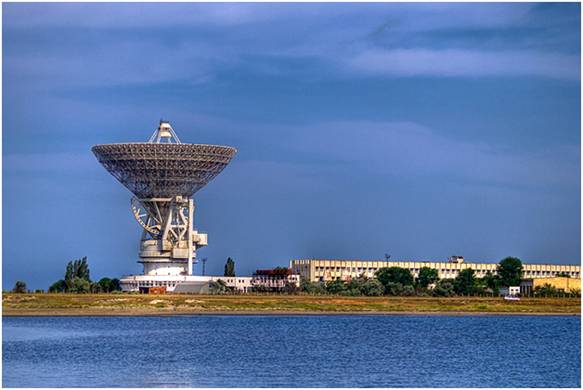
pixel 163 174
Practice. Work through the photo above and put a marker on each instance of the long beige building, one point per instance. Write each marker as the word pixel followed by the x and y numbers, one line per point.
pixel 324 270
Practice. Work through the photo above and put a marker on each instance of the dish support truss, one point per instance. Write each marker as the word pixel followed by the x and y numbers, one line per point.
pixel 169 241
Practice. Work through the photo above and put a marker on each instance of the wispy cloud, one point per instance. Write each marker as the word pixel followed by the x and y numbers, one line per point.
pixel 49 163
pixel 117 63
pixel 380 40
pixel 324 149
pixel 120 16
pixel 409 149
pixel 474 63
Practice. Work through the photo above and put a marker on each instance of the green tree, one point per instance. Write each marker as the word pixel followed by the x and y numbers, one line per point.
pixel 109 285
pixel 563 275
pixel 82 269
pixel 19 287
pixel 394 275
pixel 350 292
pixel 465 281
pixel 69 275
pixel 335 286
pixel 408 291
pixel 480 287
pixel 115 285
pixel 104 284
pixel 575 293
pixel 356 285
pixel 230 267
pixel 76 269
pixel 290 288
pixel 444 288
pixel 394 288
pixel 491 282
pixel 373 288
pixel 510 271
pixel 96 288
pixel 427 276
pixel 58 287
pixel 315 288
pixel 260 288
pixel 546 290
pixel 80 286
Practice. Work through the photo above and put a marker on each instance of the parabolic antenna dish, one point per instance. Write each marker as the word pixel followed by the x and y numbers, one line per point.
pixel 163 170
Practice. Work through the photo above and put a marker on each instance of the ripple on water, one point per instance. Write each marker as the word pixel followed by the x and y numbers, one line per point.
pixel 292 351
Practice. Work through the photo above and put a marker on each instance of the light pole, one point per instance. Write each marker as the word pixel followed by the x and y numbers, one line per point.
pixel 203 265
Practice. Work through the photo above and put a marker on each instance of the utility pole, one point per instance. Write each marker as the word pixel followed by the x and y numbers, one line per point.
pixel 203 264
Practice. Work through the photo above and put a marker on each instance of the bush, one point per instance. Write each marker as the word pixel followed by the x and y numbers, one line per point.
pixel 308 287
pixel 546 290
pixel 356 285
pixel 373 288
pixel 394 288
pixel 444 288
pixel 260 288
pixel 19 287
pixel 107 285
pixel 465 282
pixel 80 286
pixel 408 291
pixel 58 287
pixel 290 288
pixel 397 275
pixel 76 279
pixel 427 276
pixel 350 292
pixel 335 286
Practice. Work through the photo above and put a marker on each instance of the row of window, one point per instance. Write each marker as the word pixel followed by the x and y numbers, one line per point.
pixel 151 283
pixel 360 270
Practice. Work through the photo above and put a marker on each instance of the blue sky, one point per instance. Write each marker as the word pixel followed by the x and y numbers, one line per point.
pixel 419 130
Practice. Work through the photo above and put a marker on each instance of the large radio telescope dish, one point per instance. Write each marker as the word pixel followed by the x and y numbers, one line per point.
pixel 158 169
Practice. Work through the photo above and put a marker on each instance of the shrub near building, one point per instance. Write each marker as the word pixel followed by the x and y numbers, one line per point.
pixel 396 280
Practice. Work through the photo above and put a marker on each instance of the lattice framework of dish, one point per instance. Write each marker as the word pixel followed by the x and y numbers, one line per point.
pixel 163 170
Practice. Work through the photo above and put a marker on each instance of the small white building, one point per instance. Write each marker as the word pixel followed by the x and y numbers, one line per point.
pixel 512 291
pixel 263 280
pixel 276 279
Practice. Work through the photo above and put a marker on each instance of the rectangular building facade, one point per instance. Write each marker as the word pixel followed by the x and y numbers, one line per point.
pixel 528 286
pixel 324 270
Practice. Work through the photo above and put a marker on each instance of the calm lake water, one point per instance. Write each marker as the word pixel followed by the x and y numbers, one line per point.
pixel 292 351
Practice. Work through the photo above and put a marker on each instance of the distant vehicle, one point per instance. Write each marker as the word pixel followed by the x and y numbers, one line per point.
pixel 512 298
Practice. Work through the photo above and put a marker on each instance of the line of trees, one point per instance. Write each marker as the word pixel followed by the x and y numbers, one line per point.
pixel 548 290
pixel 399 281
pixel 77 280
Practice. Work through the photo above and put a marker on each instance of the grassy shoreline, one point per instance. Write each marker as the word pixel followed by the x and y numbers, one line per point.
pixel 147 305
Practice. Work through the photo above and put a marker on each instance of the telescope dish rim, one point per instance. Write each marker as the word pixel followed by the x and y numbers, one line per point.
pixel 165 145
pixel 128 163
